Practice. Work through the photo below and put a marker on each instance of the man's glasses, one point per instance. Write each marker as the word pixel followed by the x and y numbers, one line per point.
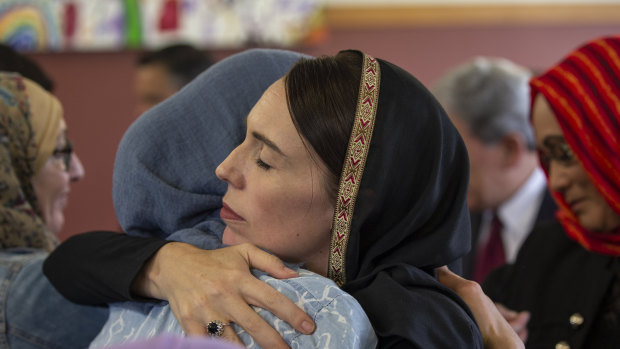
pixel 64 154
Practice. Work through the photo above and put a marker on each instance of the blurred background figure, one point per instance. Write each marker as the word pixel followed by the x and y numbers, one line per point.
pixel 12 61
pixel 38 166
pixel 162 73
pixel 488 100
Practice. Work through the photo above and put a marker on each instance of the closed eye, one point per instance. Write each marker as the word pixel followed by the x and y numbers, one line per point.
pixel 265 166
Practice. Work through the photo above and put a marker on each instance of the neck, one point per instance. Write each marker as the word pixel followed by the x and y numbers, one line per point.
pixel 318 265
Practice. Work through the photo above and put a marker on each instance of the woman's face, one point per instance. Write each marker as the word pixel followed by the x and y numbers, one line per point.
pixel 567 176
pixel 51 183
pixel 276 195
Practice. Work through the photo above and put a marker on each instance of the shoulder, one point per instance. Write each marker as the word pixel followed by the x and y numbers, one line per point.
pixel 340 319
pixel 551 271
pixel 312 291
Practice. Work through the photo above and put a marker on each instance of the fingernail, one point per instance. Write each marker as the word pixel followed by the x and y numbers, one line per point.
pixel 290 271
pixel 307 327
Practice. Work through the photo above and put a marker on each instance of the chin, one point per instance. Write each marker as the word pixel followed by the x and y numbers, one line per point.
pixel 591 223
pixel 229 238
pixel 56 225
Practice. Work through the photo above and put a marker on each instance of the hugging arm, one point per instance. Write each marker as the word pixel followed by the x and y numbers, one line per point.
pixel 495 329
pixel 201 285
pixel 99 267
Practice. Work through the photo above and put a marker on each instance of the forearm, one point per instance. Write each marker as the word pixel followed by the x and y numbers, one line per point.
pixel 99 267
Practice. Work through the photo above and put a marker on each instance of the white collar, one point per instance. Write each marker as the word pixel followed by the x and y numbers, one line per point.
pixel 518 214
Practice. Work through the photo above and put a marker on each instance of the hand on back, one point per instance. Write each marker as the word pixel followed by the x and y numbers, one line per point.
pixel 207 285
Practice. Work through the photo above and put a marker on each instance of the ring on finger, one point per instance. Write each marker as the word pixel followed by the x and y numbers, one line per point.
pixel 215 328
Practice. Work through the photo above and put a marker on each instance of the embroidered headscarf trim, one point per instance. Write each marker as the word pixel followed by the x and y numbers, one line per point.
pixel 584 93
pixel 353 169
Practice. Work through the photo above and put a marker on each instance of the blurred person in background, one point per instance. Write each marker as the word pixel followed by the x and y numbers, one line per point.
pixel 163 72
pixel 488 100
pixel 37 167
pixel 13 61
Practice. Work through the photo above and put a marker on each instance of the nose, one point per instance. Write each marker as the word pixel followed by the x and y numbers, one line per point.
pixel 558 179
pixel 229 172
pixel 76 169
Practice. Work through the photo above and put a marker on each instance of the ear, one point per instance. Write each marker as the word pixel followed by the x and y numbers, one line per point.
pixel 513 149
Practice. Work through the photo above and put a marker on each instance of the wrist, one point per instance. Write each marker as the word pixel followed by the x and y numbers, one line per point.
pixel 148 283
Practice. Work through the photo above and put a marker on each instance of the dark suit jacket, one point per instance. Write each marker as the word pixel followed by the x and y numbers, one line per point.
pixel 557 280
pixel 545 213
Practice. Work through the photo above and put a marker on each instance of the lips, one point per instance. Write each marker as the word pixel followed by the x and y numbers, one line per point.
pixel 228 214
pixel 575 203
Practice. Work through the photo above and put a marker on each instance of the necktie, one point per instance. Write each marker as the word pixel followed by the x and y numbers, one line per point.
pixel 491 255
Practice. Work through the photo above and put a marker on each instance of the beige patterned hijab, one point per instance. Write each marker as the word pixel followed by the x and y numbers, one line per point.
pixel 29 121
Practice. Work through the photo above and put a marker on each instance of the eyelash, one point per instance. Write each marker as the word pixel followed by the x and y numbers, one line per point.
pixel 263 164
pixel 566 158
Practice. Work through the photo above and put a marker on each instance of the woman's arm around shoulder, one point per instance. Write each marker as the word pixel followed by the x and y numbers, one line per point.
pixel 99 267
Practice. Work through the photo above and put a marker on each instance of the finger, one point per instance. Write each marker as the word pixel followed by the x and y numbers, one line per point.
pixel 523 335
pixel 269 263
pixel 262 295
pixel 193 328
pixel 257 328
pixel 519 323
pixel 448 278
pixel 508 314
pixel 230 335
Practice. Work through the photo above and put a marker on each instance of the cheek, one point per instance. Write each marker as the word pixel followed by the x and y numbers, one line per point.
pixel 289 215
pixel 51 188
pixel 598 215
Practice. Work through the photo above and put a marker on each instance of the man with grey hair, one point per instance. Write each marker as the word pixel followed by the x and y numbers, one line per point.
pixel 488 100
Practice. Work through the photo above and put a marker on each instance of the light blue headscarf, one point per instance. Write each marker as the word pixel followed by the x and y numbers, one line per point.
pixel 164 173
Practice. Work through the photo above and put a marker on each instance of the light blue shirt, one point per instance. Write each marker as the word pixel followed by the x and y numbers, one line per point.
pixel 340 320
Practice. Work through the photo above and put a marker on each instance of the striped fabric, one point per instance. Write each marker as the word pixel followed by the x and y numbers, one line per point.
pixel 584 92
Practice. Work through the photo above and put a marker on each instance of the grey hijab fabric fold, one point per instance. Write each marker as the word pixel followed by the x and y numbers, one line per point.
pixel 164 173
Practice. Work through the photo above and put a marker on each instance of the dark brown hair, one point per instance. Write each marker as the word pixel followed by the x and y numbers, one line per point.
pixel 322 98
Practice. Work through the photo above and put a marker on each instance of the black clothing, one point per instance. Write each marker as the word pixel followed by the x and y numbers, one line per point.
pixel 545 213
pixel 410 213
pixel 410 217
pixel 560 282
pixel 98 267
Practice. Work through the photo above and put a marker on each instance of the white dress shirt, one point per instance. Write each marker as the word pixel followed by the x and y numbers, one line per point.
pixel 518 215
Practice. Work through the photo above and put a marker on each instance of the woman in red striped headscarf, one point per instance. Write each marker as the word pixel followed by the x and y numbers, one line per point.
pixel 568 273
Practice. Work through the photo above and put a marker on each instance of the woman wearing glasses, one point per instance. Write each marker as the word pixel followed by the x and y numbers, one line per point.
pixel 37 166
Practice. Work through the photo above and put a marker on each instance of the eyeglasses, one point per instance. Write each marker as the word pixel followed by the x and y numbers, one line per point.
pixel 64 154
pixel 556 149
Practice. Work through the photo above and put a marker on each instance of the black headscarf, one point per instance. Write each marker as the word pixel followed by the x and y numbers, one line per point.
pixel 410 216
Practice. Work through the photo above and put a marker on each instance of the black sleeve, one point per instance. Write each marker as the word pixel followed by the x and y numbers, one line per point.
pixel 98 267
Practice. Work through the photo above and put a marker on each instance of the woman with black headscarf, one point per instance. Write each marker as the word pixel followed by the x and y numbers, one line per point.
pixel 396 172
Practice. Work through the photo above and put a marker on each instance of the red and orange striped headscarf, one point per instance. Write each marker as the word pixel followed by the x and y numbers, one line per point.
pixel 584 93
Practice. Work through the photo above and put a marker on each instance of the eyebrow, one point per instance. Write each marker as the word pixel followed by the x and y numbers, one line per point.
pixel 550 138
pixel 267 142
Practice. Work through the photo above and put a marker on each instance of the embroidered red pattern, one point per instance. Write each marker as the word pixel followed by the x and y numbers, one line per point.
pixel 353 167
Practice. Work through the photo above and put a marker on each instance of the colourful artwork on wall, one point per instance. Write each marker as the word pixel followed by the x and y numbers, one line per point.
pixel 30 25
pixel 56 25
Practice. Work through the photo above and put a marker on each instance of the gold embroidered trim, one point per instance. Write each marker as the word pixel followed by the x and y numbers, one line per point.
pixel 353 168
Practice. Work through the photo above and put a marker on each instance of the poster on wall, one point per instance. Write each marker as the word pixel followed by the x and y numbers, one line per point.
pixel 86 25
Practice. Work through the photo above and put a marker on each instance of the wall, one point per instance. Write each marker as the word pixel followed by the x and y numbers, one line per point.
pixel 95 88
